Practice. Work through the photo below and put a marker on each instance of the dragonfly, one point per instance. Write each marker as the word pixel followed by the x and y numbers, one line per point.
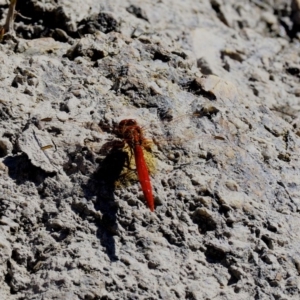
pixel 131 134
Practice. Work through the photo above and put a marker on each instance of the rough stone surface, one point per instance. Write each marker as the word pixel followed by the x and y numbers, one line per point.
pixel 215 84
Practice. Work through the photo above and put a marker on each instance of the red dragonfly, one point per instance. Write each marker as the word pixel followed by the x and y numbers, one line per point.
pixel 132 134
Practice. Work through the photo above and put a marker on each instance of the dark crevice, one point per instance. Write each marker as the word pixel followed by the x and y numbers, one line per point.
pixel 138 12
pixel 214 255
pixel 161 56
pixel 195 88
pixel 294 71
pixel 45 21
pixel 218 10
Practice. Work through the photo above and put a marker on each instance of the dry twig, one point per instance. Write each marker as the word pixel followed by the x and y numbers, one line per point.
pixel 9 23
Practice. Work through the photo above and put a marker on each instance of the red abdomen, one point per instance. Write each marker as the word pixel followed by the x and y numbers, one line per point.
pixel 143 175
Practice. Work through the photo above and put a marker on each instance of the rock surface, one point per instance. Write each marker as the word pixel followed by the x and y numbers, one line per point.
pixel 221 78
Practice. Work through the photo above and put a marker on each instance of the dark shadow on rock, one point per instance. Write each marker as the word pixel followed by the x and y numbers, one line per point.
pixel 21 170
pixel 102 184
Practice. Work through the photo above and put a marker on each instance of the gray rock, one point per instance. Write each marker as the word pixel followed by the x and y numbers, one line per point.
pixel 214 86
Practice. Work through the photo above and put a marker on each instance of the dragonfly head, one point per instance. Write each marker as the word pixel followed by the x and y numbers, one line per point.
pixel 130 131
pixel 127 123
